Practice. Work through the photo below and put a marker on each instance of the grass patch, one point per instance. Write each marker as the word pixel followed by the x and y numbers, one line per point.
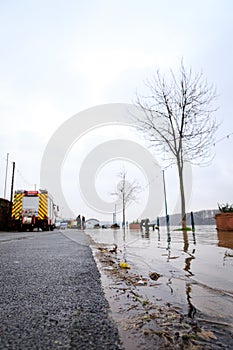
pixel 183 229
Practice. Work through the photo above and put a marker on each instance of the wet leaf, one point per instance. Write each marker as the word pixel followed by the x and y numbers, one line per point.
pixel 154 275
pixel 103 250
pixel 207 335
pixel 114 249
pixel 108 268
pixel 141 282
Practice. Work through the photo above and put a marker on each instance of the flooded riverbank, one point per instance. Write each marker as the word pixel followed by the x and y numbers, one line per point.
pixel 195 273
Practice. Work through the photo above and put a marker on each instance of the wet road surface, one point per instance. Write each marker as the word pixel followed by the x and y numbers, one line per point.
pixel 51 294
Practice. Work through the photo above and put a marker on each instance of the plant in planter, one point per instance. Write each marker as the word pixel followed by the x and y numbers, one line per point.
pixel 224 219
pixel 225 208
pixel 135 225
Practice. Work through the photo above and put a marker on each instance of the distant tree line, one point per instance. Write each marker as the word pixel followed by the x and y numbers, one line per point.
pixel 202 217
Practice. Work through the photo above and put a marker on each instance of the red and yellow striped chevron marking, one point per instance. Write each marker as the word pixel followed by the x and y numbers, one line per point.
pixel 17 206
pixel 43 206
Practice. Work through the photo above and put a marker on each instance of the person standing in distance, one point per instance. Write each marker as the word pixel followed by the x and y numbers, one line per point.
pixel 78 219
pixel 83 222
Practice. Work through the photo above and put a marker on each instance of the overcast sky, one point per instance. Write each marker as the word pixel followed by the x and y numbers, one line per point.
pixel 59 58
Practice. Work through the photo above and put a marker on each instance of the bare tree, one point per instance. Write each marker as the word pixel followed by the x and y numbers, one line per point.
pixel 178 120
pixel 126 192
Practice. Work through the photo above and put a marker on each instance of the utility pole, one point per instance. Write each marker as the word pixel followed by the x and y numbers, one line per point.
pixel 12 181
pixel 11 199
pixel 7 158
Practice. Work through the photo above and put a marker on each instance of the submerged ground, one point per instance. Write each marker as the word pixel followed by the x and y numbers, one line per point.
pixel 178 291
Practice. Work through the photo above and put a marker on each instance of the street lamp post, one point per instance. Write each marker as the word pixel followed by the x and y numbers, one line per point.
pixel 7 157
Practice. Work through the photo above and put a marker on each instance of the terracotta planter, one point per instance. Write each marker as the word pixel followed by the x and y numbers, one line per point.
pixel 134 226
pixel 224 221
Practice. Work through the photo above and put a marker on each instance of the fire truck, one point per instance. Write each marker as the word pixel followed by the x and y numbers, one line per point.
pixel 33 209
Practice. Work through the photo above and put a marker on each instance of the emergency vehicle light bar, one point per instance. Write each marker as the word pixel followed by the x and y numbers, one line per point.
pixel 31 193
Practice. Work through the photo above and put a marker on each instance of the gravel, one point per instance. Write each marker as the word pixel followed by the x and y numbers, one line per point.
pixel 51 294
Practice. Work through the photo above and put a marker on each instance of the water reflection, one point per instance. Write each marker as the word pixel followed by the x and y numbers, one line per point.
pixel 187 268
pixel 191 309
pixel 158 235
pixel 145 234
pixel 124 245
pixel 186 241
pixel 194 237
pixel 188 263
pixel 168 244
pixel 169 284
pixel 225 239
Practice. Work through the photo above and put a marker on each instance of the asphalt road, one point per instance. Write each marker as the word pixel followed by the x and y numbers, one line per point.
pixel 51 295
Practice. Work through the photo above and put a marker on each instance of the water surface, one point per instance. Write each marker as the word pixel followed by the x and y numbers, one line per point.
pixel 195 268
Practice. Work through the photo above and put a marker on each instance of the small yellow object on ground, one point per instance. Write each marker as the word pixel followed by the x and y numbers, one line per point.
pixel 124 265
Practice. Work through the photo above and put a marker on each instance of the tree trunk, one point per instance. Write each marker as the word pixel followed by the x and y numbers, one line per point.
pixel 182 195
pixel 123 210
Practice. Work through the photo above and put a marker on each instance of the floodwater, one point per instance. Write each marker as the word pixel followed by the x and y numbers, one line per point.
pixel 196 268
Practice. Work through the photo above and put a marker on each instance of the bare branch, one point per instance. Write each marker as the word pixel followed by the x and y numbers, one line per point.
pixel 127 191
pixel 178 117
